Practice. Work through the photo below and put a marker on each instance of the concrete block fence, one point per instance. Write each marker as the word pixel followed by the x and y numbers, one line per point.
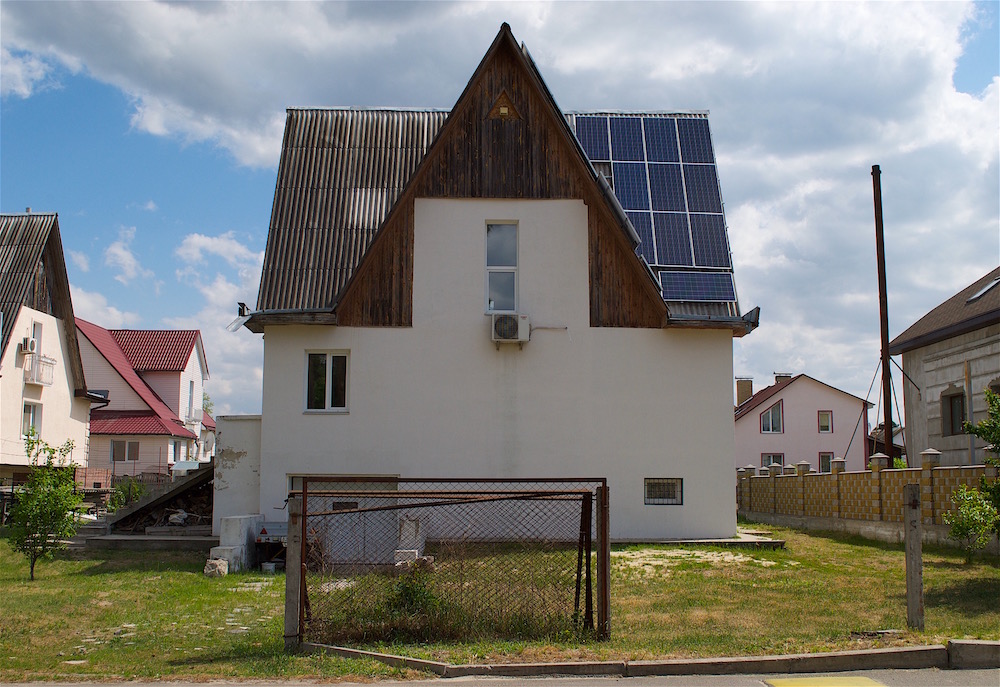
pixel 869 503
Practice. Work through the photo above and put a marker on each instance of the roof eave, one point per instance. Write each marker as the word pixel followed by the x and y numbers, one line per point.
pixel 970 325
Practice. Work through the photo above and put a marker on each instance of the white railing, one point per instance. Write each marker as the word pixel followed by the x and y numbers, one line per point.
pixel 38 369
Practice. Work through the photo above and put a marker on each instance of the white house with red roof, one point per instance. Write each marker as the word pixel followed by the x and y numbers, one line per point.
pixel 154 380
pixel 797 419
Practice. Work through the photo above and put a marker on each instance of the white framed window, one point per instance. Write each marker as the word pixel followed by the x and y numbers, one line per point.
pixel 326 381
pixel 124 451
pixel 767 459
pixel 824 419
pixel 501 267
pixel 770 420
pixel 177 451
pixel 191 399
pixel 664 491
pixel 825 461
pixel 31 419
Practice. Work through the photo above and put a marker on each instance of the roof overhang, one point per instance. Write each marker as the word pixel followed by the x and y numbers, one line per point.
pixel 970 325
pixel 262 318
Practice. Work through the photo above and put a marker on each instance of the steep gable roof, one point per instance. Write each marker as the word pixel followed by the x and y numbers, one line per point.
pixel 158 419
pixel 158 350
pixel 767 393
pixel 339 248
pixel 33 273
pixel 959 314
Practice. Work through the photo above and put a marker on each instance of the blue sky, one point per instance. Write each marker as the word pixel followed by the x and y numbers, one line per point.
pixel 153 130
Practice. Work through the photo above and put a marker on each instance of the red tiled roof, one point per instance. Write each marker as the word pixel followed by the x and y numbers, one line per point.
pixel 105 343
pixel 119 422
pixel 953 317
pixel 207 421
pixel 157 350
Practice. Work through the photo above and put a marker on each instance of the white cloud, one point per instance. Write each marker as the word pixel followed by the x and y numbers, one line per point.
pixel 94 307
pixel 195 247
pixel 119 255
pixel 81 260
pixel 804 99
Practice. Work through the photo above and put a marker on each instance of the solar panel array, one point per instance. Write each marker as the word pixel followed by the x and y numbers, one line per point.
pixel 663 174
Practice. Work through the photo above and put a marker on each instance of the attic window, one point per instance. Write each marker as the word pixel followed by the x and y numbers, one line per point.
pixel 982 292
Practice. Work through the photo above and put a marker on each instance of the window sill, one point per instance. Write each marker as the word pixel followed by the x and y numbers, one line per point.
pixel 326 411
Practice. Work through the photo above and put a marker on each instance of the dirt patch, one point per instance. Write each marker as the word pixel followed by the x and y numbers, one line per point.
pixel 656 561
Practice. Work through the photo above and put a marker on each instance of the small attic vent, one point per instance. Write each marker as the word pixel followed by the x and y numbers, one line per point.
pixel 503 108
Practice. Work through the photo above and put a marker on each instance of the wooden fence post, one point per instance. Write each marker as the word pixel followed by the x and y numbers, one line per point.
pixel 293 574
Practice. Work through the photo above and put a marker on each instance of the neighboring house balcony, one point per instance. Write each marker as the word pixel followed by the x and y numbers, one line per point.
pixel 38 369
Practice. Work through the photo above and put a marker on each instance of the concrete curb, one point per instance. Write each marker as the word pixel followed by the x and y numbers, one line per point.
pixel 971 653
pixel 958 654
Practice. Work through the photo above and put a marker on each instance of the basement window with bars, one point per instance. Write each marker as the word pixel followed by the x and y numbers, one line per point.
pixel 664 491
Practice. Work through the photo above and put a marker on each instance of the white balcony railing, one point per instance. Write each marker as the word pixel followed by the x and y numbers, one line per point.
pixel 38 369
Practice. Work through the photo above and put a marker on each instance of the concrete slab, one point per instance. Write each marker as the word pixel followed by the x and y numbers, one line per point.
pixel 143 542
pixel 971 653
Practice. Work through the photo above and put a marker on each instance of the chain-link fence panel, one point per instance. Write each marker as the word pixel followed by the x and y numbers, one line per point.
pixel 397 559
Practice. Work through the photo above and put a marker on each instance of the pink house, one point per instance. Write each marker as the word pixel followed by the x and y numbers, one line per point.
pixel 800 419
pixel 153 381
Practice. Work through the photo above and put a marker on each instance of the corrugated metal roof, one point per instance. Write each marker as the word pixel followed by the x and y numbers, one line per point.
pixel 157 350
pixel 134 422
pixel 22 241
pixel 953 317
pixel 340 173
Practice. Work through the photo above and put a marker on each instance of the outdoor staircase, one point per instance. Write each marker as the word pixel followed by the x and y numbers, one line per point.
pixel 100 532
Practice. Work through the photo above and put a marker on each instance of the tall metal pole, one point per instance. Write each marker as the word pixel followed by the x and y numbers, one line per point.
pixel 883 311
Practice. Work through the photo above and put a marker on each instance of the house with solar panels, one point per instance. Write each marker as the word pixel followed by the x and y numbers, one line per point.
pixel 500 290
pixel 153 381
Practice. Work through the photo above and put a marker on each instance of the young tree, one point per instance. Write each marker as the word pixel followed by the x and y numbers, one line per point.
pixel 44 513
pixel 207 404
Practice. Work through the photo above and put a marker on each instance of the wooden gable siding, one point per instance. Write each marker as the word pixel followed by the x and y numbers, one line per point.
pixel 530 156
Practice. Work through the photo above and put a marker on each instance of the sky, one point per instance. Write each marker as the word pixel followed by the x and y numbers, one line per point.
pixel 154 130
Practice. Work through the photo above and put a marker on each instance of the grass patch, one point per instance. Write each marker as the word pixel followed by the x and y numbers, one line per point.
pixel 114 615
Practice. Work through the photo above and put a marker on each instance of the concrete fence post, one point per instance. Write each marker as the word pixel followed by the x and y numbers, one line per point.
pixel 914 557
pixel 929 459
pixel 293 574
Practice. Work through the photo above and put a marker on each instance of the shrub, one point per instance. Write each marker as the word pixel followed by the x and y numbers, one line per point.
pixel 974 523
pixel 126 492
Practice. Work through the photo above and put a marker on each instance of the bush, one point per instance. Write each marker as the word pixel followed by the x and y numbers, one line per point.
pixel 974 523
pixel 128 491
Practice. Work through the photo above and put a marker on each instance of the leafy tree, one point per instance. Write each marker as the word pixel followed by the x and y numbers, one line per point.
pixel 974 523
pixel 207 404
pixel 989 431
pixel 44 513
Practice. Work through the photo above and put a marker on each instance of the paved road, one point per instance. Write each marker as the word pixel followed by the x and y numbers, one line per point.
pixel 930 677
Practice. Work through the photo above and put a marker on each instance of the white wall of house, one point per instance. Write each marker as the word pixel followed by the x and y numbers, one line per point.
pixel 801 439
pixel 940 368
pixel 237 468
pixel 101 375
pixel 439 399
pixel 62 416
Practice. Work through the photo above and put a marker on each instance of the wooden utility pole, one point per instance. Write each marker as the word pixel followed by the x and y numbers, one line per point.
pixel 883 311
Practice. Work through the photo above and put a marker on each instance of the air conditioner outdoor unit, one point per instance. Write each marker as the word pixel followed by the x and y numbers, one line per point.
pixel 513 328
pixel 29 345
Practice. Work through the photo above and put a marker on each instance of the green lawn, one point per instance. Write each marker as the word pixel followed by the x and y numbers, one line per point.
pixel 155 616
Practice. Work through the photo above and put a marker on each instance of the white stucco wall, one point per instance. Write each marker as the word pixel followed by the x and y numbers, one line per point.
pixel 439 399
pixel 237 469
pixel 62 416
pixel 801 439
pixel 940 368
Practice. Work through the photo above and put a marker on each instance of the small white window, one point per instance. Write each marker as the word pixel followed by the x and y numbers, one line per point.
pixel 664 491
pixel 825 462
pixel 326 381
pixel 31 419
pixel 124 451
pixel 767 459
pixel 824 419
pixel 770 420
pixel 501 267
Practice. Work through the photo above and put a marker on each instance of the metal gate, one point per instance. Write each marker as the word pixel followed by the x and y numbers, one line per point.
pixel 384 558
